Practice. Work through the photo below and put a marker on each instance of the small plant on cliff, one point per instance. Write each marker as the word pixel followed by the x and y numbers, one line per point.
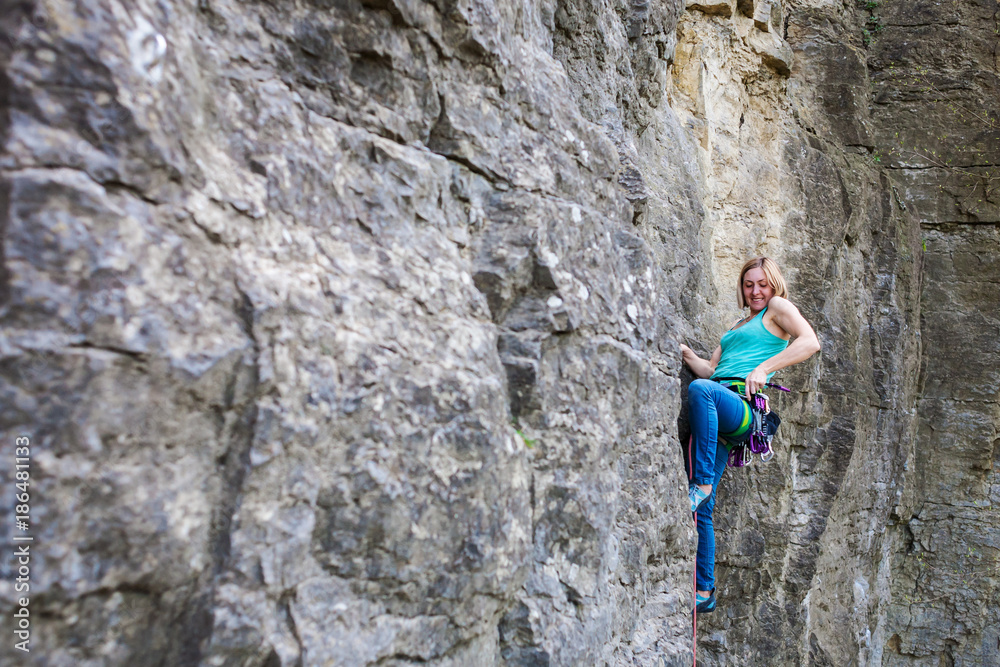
pixel 873 22
pixel 956 577
pixel 979 177
pixel 528 442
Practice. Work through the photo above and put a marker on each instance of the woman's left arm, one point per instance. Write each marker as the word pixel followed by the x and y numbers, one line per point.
pixel 804 345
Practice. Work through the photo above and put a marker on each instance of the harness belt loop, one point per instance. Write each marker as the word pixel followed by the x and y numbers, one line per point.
pixel 759 426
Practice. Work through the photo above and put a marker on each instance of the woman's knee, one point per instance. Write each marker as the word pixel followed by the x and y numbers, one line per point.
pixel 700 388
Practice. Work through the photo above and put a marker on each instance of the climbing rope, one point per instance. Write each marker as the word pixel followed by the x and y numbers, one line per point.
pixel 694 587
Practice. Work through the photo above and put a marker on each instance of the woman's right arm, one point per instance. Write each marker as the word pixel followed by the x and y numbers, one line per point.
pixel 699 366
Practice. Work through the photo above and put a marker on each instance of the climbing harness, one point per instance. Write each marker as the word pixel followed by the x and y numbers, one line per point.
pixel 763 424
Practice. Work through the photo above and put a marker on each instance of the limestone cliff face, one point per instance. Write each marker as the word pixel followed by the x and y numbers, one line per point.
pixel 936 104
pixel 345 332
pixel 789 168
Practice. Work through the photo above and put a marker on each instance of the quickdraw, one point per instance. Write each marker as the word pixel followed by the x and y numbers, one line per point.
pixel 763 427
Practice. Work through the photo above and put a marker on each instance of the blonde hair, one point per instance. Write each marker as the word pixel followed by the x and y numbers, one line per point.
pixel 771 271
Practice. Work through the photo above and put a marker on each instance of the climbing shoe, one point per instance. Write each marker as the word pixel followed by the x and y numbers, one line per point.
pixel 705 605
pixel 697 497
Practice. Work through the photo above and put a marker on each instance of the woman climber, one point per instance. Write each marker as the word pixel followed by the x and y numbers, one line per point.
pixel 753 348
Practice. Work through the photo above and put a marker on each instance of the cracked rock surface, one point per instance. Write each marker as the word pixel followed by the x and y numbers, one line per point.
pixel 346 331
pixel 336 340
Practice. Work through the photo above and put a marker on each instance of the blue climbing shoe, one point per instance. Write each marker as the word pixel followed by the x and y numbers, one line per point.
pixel 705 605
pixel 697 497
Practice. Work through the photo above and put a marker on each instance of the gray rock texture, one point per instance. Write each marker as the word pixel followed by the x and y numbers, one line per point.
pixel 936 88
pixel 346 332
pixel 337 340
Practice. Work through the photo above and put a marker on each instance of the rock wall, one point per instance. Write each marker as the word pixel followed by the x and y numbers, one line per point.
pixel 345 332
pixel 936 88
pixel 336 339
pixel 788 152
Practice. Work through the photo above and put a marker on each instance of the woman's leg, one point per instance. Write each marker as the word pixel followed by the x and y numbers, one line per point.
pixel 712 407
pixel 705 563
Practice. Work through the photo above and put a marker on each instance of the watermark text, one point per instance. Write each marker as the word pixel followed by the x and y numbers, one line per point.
pixel 22 542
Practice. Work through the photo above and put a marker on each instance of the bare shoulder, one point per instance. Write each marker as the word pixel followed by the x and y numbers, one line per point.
pixel 782 306
pixel 786 316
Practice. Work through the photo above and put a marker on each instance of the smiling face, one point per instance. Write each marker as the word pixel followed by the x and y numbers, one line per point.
pixel 757 291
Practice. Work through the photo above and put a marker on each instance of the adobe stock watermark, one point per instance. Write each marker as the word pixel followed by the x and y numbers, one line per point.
pixel 22 542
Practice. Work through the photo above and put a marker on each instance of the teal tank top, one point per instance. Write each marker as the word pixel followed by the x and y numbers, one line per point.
pixel 745 348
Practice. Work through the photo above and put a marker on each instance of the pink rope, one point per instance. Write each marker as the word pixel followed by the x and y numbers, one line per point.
pixel 694 591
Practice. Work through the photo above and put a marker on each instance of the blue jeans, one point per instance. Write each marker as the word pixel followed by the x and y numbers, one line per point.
pixel 712 408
